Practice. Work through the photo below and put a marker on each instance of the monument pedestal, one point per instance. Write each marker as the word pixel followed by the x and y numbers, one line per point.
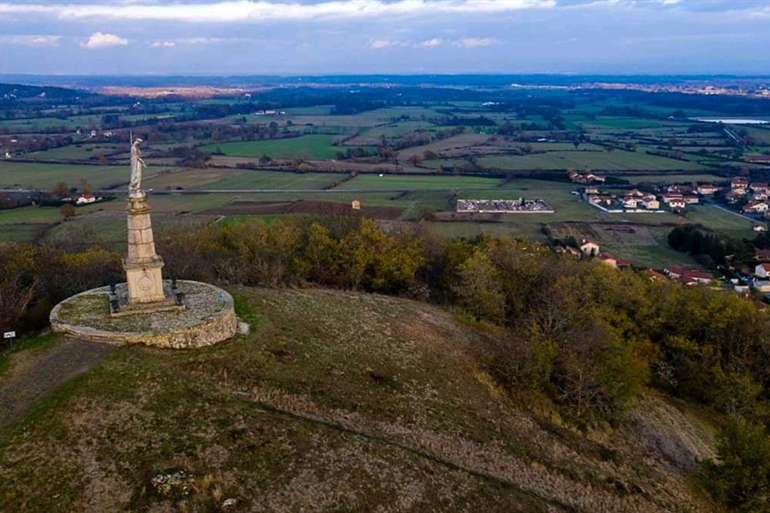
pixel 143 266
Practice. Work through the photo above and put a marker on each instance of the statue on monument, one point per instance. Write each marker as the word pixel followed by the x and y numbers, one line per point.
pixel 135 185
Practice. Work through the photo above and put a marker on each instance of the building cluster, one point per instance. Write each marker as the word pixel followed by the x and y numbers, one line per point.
pixel 755 195
pixel 270 113
pixel 633 200
pixel 503 206
pixel 588 249
pixel 586 178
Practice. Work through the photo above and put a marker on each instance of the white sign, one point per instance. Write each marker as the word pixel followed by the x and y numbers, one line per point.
pixel 9 334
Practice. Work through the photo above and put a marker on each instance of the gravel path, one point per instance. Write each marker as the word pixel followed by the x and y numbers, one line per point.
pixel 31 379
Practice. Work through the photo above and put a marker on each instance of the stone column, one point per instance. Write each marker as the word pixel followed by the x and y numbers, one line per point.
pixel 143 266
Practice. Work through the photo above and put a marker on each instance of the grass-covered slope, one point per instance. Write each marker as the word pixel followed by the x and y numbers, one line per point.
pixel 335 402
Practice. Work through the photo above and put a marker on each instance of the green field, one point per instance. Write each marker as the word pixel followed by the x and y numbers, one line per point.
pixel 277 180
pixel 315 147
pixel 596 160
pixel 413 182
pixel 75 152
pixel 45 176
pixel 695 177
pixel 722 222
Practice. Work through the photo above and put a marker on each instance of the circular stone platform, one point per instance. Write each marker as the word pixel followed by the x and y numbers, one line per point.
pixel 209 318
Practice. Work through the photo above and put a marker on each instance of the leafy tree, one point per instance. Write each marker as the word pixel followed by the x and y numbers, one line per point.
pixel 67 211
pixel 740 476
pixel 479 288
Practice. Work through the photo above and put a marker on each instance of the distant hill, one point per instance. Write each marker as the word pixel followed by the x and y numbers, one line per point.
pixel 24 92
pixel 337 401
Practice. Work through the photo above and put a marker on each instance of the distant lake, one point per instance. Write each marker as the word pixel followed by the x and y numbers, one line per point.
pixel 733 121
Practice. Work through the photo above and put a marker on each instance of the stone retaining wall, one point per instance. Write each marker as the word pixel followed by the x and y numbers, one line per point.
pixel 209 320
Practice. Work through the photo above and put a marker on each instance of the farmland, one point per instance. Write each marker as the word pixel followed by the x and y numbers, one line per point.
pixel 315 147
pixel 408 154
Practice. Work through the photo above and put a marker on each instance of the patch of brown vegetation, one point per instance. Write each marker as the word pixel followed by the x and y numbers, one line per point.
pixel 250 208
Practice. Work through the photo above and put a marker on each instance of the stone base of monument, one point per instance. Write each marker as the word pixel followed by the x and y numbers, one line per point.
pixel 207 317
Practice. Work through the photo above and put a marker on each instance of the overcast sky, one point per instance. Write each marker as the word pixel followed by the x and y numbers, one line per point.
pixel 384 36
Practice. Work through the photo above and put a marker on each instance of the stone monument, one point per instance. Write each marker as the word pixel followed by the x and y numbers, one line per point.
pixel 142 265
pixel 145 310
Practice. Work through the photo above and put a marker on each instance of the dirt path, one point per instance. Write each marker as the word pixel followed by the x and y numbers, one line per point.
pixel 31 379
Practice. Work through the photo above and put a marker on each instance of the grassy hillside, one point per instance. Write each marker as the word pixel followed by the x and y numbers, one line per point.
pixel 336 401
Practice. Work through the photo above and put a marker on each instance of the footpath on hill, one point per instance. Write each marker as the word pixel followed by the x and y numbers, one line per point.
pixel 31 377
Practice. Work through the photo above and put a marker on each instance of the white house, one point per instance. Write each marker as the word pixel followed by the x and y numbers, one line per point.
pixel 762 270
pixel 651 203
pixel 630 202
pixel 755 207
pixel 588 247
pixel 85 199
pixel 707 189
pixel 677 203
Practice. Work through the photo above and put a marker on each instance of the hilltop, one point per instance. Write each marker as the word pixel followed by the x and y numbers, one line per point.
pixel 336 401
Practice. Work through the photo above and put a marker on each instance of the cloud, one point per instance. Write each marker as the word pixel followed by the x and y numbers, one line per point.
pixel 432 42
pixel 31 40
pixel 476 42
pixel 163 44
pixel 465 42
pixel 382 43
pixel 265 11
pixel 99 40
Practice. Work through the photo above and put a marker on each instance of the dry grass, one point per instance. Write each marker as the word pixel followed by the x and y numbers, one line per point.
pixel 337 401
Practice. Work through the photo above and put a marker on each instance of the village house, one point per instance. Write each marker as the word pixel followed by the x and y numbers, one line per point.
pixel 590 177
pixel 650 202
pixel 760 187
pixel 630 202
pixel 591 190
pixel 761 285
pixel 762 270
pixel 691 199
pixel 679 189
pixel 687 276
pixel 739 184
pixel 757 159
pixel 86 199
pixel 734 196
pixel 567 250
pixel 635 193
pixel 759 196
pixel 759 228
pixel 707 189
pixel 669 197
pixel 755 207
pixel 608 259
pixel 588 247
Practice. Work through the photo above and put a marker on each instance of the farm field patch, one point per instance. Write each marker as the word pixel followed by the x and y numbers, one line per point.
pixel 248 179
pixel 720 221
pixel 408 182
pixel 45 176
pixel 74 152
pixel 595 160
pixel 316 147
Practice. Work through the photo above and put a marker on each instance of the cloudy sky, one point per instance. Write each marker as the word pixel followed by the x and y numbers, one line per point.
pixel 384 36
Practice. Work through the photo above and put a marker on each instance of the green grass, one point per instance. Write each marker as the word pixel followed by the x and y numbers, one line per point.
pixel 409 182
pixel 73 152
pixel 678 178
pixel 721 221
pixel 45 176
pixel 316 147
pixel 598 161
pixel 277 180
